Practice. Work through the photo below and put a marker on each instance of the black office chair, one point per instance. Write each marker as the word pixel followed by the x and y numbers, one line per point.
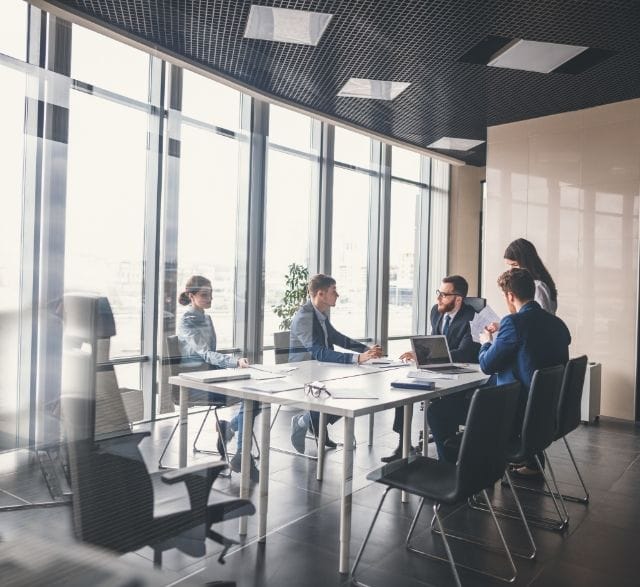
pixel 569 406
pixel 536 435
pixel 113 497
pixel 178 364
pixel 481 463
pixel 478 304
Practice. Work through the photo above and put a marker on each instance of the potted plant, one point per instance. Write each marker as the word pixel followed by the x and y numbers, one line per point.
pixel 295 294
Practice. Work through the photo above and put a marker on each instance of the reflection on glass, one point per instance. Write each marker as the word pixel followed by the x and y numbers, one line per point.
pixel 209 101
pixel 13 29
pixel 103 62
pixel 403 236
pixel 352 148
pixel 207 220
pixel 405 164
pixel 289 186
pixel 105 210
pixel 11 153
pixel 351 191
pixel 289 129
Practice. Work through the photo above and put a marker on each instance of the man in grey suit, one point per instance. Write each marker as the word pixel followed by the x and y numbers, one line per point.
pixel 449 316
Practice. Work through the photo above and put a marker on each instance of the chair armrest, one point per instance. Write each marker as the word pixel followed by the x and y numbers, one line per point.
pixel 178 475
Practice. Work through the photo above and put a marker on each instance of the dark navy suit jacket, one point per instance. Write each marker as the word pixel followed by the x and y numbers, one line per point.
pixel 308 342
pixel 528 340
pixel 461 345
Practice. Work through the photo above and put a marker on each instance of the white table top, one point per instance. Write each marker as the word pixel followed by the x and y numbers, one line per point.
pixel 338 377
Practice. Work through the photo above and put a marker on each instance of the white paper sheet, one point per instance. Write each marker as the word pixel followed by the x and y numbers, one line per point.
pixel 481 320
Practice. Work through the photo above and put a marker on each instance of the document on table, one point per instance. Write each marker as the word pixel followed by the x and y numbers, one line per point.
pixel 275 371
pixel 482 319
pixel 272 386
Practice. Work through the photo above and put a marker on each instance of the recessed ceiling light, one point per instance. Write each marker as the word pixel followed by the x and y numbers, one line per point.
pixel 285 25
pixel 535 56
pixel 372 88
pixel 452 144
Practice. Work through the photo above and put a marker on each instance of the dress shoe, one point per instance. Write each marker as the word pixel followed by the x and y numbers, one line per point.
pixel 328 443
pixel 396 454
pixel 299 424
pixel 224 432
pixel 236 464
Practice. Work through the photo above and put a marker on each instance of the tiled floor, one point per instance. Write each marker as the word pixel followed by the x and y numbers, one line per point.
pixel 302 547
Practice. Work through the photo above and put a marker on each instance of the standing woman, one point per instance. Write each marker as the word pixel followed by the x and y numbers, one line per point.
pixel 522 253
pixel 198 342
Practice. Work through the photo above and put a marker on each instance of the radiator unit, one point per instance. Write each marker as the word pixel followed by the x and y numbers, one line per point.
pixel 590 408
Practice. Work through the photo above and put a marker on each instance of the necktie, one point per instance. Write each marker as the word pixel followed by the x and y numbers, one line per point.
pixel 445 328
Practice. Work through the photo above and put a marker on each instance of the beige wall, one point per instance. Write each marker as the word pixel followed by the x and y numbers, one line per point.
pixel 570 183
pixel 464 223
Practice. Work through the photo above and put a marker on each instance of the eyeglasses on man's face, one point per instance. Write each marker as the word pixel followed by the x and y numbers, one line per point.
pixel 444 294
pixel 315 389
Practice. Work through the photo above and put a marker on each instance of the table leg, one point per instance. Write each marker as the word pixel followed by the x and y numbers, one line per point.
pixel 322 436
pixel 345 495
pixel 245 462
pixel 184 423
pixel 265 436
pixel 425 429
pixel 372 417
pixel 406 437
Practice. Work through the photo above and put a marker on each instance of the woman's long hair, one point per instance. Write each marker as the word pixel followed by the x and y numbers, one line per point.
pixel 524 253
pixel 194 284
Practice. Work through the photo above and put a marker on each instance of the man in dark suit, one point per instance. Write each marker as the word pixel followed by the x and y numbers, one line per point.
pixel 527 339
pixel 313 337
pixel 449 316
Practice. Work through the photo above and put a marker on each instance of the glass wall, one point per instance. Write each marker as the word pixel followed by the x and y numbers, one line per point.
pixel 353 178
pixel 290 196
pixel 159 187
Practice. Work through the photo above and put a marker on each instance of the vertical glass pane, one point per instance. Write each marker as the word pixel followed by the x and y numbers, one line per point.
pixel 405 164
pixel 108 64
pixel 11 165
pixel 351 192
pixel 13 29
pixel 289 197
pixel 352 148
pixel 403 236
pixel 207 220
pixel 209 101
pixel 289 128
pixel 439 221
pixel 105 210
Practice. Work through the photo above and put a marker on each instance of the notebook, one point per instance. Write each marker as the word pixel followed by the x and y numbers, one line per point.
pixel 432 354
pixel 413 384
pixel 216 375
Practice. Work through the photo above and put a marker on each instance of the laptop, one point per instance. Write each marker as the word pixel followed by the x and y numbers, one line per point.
pixel 432 354
pixel 216 375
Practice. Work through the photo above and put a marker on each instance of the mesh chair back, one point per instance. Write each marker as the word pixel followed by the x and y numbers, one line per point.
pixel 571 396
pixel 478 304
pixel 483 451
pixel 540 416
pixel 281 341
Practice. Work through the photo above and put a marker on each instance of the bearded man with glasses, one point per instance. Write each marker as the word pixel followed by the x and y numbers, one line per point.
pixel 450 316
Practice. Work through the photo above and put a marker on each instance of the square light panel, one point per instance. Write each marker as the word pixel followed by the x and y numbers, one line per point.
pixel 535 56
pixel 286 26
pixel 453 144
pixel 372 89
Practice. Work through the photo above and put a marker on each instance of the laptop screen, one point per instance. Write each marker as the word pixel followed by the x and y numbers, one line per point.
pixel 431 350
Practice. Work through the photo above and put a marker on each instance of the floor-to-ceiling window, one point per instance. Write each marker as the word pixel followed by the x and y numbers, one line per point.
pixel 353 177
pixel 13 26
pixel 291 193
pixel 106 185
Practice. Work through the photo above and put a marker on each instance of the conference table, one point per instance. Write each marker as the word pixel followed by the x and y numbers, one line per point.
pixel 357 390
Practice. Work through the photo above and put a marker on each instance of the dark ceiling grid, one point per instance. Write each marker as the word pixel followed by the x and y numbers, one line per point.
pixel 417 41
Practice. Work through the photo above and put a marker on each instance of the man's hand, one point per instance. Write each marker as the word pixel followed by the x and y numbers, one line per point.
pixel 493 327
pixel 373 353
pixel 243 363
pixel 486 335
pixel 408 356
